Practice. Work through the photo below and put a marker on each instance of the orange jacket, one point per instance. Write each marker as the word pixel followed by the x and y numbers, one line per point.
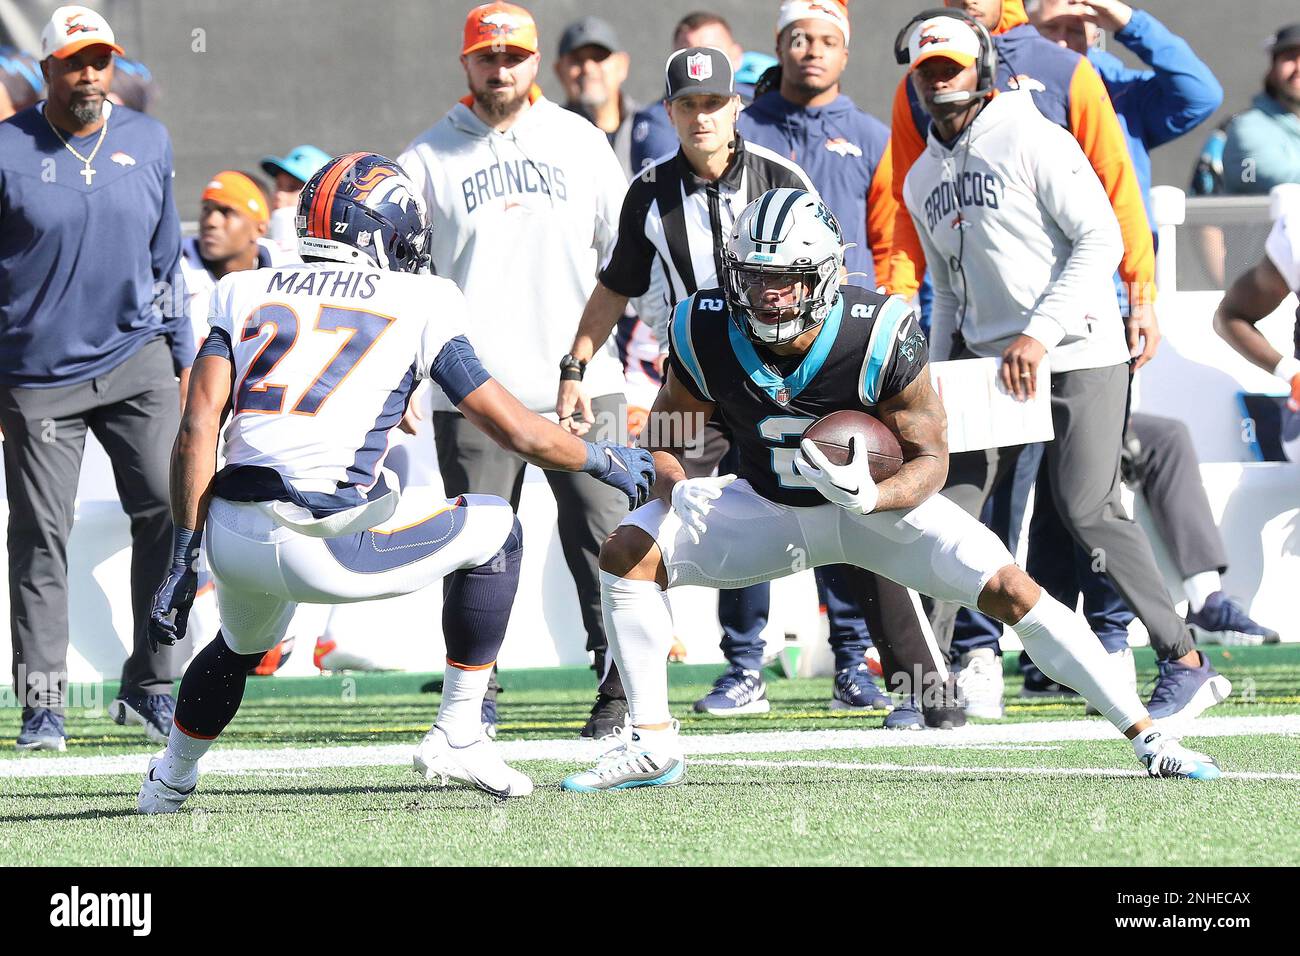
pixel 1068 91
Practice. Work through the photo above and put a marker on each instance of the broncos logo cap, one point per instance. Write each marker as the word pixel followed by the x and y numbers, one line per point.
pixel 499 26
pixel 73 28
pixel 946 37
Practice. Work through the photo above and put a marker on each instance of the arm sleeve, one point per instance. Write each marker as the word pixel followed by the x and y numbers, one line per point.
pixel 906 257
pixel 882 212
pixel 217 343
pixel 1072 196
pixel 1096 127
pixel 682 354
pixel 165 253
pixel 456 369
pixel 1181 93
pixel 628 269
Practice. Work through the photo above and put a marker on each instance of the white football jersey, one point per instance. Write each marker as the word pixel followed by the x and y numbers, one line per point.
pixel 1283 244
pixel 326 356
pixel 199 282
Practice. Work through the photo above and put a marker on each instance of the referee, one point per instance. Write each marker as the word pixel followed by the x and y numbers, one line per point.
pixel 675 220
pixel 88 232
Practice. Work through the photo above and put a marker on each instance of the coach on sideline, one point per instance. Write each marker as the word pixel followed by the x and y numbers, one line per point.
pixel 523 198
pixel 88 231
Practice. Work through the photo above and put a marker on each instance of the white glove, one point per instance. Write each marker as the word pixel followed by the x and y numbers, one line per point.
pixel 693 500
pixel 849 486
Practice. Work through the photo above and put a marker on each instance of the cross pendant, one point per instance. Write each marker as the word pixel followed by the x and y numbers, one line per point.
pixel 87 174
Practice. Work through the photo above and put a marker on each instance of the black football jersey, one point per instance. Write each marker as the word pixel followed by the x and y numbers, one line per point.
pixel 869 349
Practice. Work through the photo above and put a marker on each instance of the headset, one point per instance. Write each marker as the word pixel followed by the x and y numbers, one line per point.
pixel 987 64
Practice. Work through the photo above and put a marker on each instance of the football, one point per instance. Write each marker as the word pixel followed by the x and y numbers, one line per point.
pixel 831 433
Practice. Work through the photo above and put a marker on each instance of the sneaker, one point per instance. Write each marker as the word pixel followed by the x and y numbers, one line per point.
pixel 906 716
pixel 42 730
pixel 855 690
pixel 328 656
pixel 1186 692
pixel 735 693
pixel 630 762
pixel 1167 757
pixel 607 714
pixel 946 712
pixel 153 712
pixel 477 764
pixel 159 796
pixel 274 659
pixel 488 712
pixel 1038 684
pixel 1222 621
pixel 1128 672
pixel 677 653
pixel 980 684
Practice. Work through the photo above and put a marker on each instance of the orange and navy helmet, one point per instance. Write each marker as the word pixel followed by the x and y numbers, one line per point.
pixel 362 206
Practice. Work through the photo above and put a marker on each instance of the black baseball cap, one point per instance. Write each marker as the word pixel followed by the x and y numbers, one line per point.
pixel 589 31
pixel 1287 38
pixel 698 69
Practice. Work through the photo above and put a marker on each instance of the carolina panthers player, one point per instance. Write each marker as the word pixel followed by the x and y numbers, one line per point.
pixel 315 363
pixel 796 347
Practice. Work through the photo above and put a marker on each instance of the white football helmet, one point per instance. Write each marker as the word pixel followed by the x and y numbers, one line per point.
pixel 783 238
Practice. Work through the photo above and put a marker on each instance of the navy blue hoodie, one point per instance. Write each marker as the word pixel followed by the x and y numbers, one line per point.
pixel 845 152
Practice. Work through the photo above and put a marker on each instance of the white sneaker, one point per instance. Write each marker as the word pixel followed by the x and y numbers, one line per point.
pixel 156 796
pixel 980 684
pixel 635 758
pixel 477 764
pixel 1123 660
pixel 1165 756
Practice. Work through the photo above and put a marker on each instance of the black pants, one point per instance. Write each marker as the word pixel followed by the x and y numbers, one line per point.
pixel 133 410
pixel 588 510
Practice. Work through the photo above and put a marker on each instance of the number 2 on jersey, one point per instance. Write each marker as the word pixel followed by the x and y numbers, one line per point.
pixel 255 394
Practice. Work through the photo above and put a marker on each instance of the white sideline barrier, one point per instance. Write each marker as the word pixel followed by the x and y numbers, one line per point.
pixel 1194 378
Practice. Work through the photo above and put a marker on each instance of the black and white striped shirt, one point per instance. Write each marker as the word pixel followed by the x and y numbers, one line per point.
pixel 673 224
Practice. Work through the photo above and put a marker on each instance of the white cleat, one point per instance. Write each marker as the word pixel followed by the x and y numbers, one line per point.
pixel 477 764
pixel 980 684
pixel 632 761
pixel 156 796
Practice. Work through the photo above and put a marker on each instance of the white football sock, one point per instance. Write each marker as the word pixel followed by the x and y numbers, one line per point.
pixel 461 713
pixel 181 758
pixel 665 741
pixel 1060 642
pixel 1198 587
pixel 639 626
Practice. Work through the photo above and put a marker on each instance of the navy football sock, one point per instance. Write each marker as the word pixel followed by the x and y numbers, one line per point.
pixel 212 689
pixel 476 604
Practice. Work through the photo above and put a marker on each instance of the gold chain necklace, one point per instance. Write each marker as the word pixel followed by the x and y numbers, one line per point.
pixel 88 173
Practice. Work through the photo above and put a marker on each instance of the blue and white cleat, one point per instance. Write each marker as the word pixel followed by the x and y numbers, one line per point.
pixel 1165 756
pixel 856 690
pixel 735 693
pixel 636 758
pixel 1185 692
pixel 1223 621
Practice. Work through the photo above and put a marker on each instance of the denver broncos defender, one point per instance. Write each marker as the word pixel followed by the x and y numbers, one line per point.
pixel 315 363
pixel 795 346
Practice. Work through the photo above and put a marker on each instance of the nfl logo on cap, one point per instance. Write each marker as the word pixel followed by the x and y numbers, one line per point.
pixel 699 67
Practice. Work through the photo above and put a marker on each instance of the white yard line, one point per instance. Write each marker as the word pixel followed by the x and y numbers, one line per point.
pixel 974 769
pixel 984 736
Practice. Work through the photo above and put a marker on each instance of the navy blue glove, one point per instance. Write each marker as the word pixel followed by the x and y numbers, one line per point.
pixel 170 614
pixel 630 470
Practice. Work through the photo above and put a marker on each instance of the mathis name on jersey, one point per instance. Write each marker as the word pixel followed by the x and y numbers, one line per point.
pixel 335 283
pixel 961 192
pixel 510 179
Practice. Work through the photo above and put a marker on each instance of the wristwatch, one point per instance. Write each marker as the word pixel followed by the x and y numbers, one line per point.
pixel 572 369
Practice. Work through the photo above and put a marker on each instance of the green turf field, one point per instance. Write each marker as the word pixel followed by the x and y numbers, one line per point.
pixel 1026 790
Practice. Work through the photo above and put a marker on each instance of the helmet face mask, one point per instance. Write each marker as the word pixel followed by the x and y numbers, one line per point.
pixel 362 208
pixel 782 266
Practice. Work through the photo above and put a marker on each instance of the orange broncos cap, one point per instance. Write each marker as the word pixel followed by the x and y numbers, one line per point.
pixel 234 189
pixel 499 25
